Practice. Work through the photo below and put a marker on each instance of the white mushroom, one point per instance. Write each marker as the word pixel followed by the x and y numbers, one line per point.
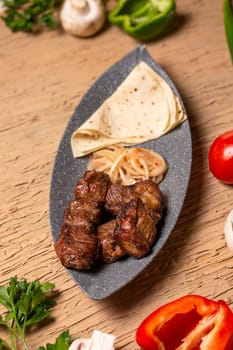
pixel 98 341
pixel 228 230
pixel 82 17
pixel 2 8
pixel 80 344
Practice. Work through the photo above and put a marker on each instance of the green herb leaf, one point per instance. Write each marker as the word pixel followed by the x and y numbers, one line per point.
pixel 27 303
pixel 2 322
pixel 228 23
pixel 62 343
pixel 48 20
pixel 4 297
pixel 30 15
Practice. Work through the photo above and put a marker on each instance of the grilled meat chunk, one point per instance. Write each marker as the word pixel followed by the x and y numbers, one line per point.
pixel 110 250
pixel 116 196
pixel 87 210
pixel 151 197
pixel 147 190
pixel 137 209
pixel 135 228
pixel 79 220
pixel 93 185
pixel 77 247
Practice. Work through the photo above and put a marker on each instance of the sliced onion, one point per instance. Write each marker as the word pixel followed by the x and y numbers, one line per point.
pixel 228 230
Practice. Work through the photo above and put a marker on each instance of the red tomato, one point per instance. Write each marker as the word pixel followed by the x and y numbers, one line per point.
pixel 221 157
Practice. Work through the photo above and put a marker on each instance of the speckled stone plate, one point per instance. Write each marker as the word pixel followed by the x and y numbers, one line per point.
pixel 175 147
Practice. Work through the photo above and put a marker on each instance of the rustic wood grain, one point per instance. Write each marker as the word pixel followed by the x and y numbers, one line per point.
pixel 42 79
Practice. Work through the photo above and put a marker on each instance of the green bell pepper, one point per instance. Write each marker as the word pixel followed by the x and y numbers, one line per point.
pixel 228 23
pixel 143 19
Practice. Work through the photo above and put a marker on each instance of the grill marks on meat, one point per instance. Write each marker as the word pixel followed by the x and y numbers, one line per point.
pixel 110 250
pixel 136 210
pixel 93 186
pixel 147 190
pixel 85 210
pixel 116 196
pixel 135 228
pixel 78 246
pixel 151 197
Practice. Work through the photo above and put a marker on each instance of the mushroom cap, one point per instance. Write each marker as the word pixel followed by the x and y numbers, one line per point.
pixel 82 17
pixel 2 8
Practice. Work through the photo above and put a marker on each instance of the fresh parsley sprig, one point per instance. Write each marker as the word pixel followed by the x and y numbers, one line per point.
pixel 30 15
pixel 62 343
pixel 26 304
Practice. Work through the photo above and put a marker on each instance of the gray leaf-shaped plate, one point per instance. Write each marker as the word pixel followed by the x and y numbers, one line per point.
pixel 175 147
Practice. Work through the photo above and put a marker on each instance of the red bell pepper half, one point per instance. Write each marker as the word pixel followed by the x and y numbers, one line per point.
pixel 191 322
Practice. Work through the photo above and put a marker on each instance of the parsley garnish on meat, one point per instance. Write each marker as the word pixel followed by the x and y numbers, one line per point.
pixel 26 304
pixel 29 15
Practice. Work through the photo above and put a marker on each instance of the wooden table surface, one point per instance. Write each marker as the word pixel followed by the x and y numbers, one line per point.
pixel 42 79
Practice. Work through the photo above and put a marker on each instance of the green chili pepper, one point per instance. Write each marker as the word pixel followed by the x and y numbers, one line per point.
pixel 143 19
pixel 228 23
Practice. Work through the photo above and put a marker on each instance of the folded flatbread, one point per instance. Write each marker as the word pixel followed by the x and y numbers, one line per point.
pixel 141 109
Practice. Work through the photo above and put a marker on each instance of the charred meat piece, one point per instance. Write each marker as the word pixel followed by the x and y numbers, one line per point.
pixel 147 190
pixel 77 248
pixel 85 209
pixel 79 220
pixel 151 197
pixel 110 250
pixel 116 196
pixel 135 228
pixel 93 185
pixel 137 210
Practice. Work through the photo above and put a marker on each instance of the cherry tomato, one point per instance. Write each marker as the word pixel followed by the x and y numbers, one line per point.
pixel 221 157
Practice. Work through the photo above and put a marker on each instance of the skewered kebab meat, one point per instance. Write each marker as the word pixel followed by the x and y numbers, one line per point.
pixel 135 209
pixel 78 246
